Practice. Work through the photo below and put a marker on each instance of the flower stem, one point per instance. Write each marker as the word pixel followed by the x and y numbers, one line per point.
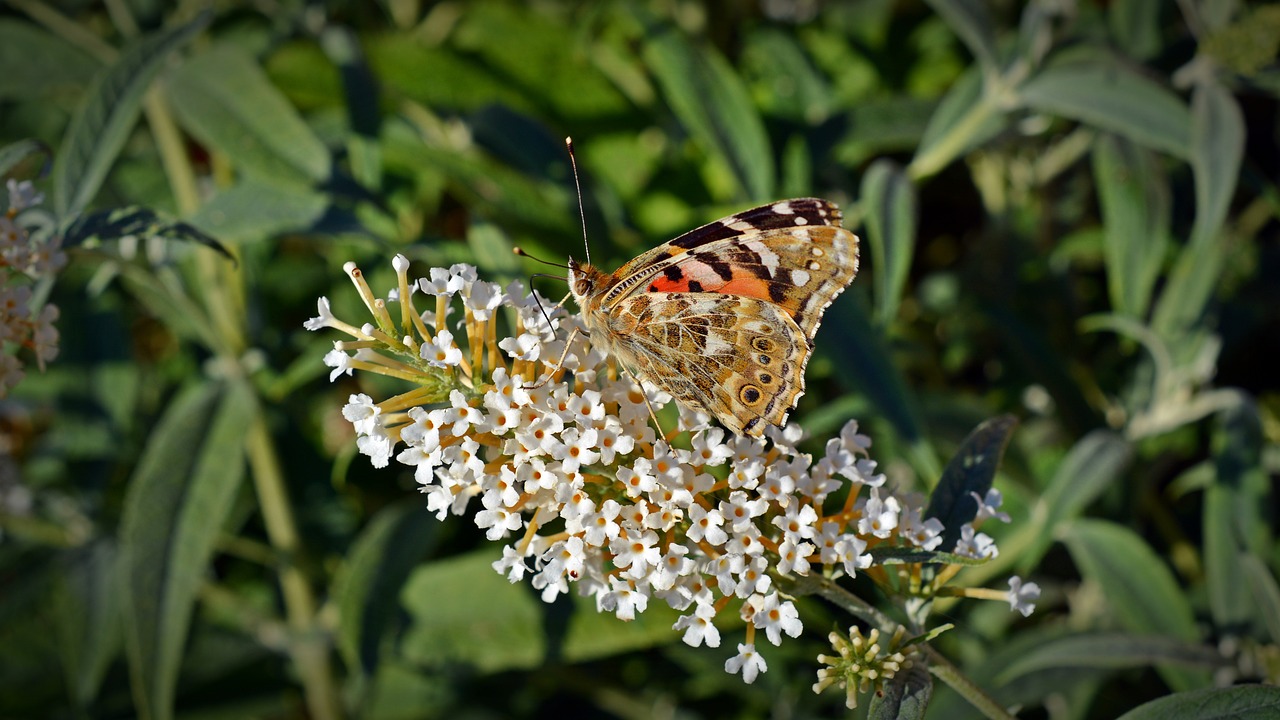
pixel 944 670
pixel 308 646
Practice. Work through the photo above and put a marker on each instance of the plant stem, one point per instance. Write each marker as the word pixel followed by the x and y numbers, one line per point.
pixel 309 646
pixel 944 670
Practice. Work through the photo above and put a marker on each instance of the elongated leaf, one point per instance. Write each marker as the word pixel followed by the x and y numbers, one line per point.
pixel 1265 592
pixel 135 221
pixel 464 611
pixel 1092 86
pixel 971 471
pixel 1111 650
pixel 225 99
pixel 1138 586
pixel 714 106
pixel 106 115
pixel 1245 702
pixel 39 64
pixel 971 22
pixel 1134 196
pixel 1236 521
pixel 14 153
pixel 1217 148
pixel 892 215
pixel 965 118
pixel 908 555
pixel 87 616
pixel 867 366
pixel 1092 465
pixel 255 210
pixel 905 697
pixel 368 588
pixel 177 502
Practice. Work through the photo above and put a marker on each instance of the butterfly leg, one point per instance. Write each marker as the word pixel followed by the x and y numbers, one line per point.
pixel 652 415
pixel 559 363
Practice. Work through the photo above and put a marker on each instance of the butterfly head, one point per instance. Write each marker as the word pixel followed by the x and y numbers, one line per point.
pixel 583 279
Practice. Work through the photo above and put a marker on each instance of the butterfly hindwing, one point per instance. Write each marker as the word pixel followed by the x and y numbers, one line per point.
pixel 739 358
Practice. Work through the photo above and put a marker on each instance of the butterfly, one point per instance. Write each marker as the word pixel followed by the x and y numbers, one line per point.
pixel 722 318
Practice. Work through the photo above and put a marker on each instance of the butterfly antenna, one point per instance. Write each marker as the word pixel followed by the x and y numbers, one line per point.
pixel 577 184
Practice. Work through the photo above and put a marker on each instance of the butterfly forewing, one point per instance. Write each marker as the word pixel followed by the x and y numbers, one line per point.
pixel 687 316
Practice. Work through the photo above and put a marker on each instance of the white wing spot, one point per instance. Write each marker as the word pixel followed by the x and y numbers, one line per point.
pixel 768 258
pixel 816 251
pixel 800 277
pixel 783 208
pixel 815 266
pixel 801 220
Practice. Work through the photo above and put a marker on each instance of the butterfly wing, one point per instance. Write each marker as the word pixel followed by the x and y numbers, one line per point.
pixel 723 317
pixel 740 359
pixel 799 260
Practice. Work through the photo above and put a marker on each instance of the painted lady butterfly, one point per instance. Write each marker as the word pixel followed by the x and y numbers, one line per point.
pixel 723 317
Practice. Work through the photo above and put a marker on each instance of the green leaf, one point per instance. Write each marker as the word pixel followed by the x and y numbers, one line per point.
pixel 890 204
pixel 965 119
pixel 1094 87
pixel 1265 592
pixel 1134 195
pixel 1135 25
pixel 177 502
pixel 905 697
pixel 908 555
pixel 368 587
pixel 1094 464
pixel 106 114
pixel 14 153
pixel 225 99
pixel 135 221
pixel 465 612
pixel 1217 148
pixel 713 105
pixel 971 22
pixel 972 470
pixel 1138 587
pixel 1111 650
pixel 40 65
pixel 1236 521
pixel 87 619
pixel 254 210
pixel 1243 702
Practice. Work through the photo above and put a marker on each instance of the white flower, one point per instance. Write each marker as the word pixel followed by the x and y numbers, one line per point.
pixel 698 627
pixel 441 352
pixel 624 599
pixel 512 565
pixel 975 544
pixel 325 318
pixel 924 534
pixel 775 616
pixel 1023 596
pixel 989 507
pixel 879 515
pixel 747 661
pixel 362 412
pixel 23 195
pixel 339 361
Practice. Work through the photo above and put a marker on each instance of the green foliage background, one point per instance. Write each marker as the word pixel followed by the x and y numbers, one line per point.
pixel 1069 213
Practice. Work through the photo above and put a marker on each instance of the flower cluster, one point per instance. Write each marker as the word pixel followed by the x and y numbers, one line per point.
pixel 25 261
pixel 550 447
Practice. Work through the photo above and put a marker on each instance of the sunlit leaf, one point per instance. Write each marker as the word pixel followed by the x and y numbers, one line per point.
pixel 1092 86
pixel 224 98
pixel 106 115
pixel 714 106
pixel 177 502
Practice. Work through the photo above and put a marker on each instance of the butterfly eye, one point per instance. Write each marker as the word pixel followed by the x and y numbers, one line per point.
pixel 749 394
pixel 762 344
pixel 765 378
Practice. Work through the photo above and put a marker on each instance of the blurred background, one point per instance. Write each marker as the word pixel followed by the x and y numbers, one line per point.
pixel 1068 212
